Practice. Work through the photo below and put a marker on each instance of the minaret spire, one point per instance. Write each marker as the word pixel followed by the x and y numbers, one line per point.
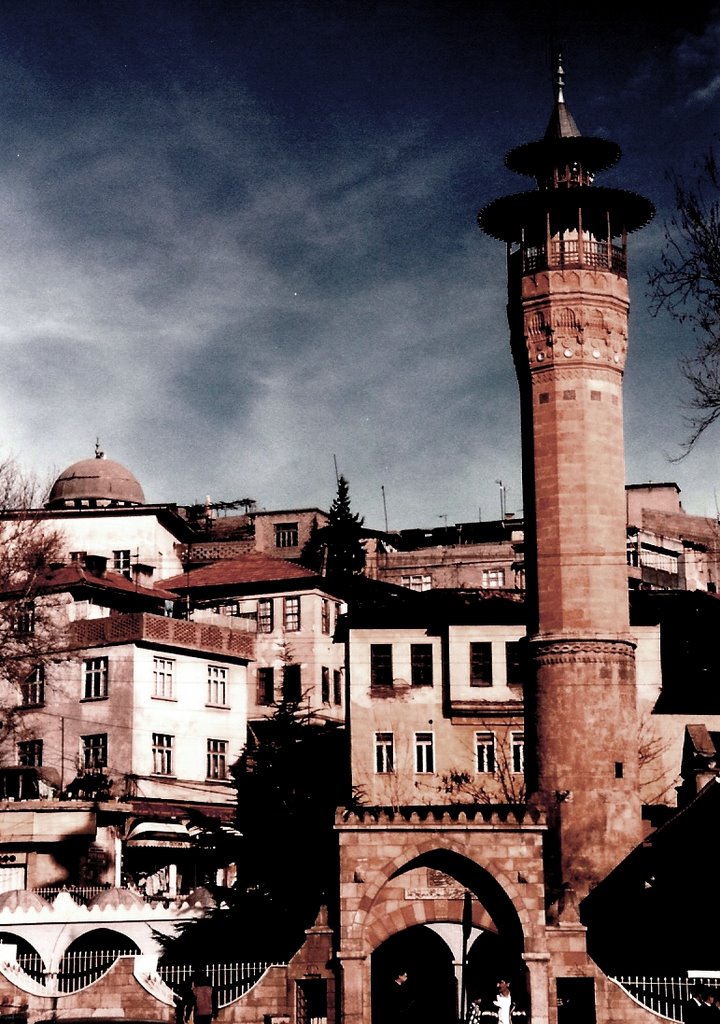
pixel 559 79
pixel 562 123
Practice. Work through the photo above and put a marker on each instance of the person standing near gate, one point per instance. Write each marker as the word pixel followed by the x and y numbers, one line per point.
pixel 202 1003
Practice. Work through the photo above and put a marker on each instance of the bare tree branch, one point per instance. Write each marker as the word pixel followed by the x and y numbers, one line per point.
pixel 686 284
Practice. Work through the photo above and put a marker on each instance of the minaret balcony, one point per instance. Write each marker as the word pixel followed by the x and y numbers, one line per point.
pixel 566 253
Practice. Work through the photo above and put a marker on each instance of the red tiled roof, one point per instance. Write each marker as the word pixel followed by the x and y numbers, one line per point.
pixel 74 575
pixel 251 568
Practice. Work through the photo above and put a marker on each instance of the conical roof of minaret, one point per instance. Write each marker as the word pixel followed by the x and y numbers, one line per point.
pixel 562 142
pixel 561 124
pixel 563 164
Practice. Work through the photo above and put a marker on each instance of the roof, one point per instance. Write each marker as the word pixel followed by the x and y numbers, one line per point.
pixel 284 511
pixel 96 479
pixel 253 568
pixel 373 604
pixel 660 881
pixel 74 576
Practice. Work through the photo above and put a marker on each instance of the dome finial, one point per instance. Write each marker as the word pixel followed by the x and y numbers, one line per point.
pixel 99 453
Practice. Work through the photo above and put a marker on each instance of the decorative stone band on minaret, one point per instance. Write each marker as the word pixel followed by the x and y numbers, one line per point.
pixel 568 314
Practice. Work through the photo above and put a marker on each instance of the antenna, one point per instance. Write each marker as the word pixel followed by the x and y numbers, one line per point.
pixel 382 488
pixel 337 475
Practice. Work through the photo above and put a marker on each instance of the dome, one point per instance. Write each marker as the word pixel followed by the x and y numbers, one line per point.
pixel 95 483
pixel 117 899
pixel 22 899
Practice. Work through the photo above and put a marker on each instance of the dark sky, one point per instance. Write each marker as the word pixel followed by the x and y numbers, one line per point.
pixel 238 241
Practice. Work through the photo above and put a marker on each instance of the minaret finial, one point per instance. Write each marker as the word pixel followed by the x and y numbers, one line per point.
pixel 559 75
pixel 99 453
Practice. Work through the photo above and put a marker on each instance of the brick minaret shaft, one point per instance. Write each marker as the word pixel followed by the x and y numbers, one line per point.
pixel 568 315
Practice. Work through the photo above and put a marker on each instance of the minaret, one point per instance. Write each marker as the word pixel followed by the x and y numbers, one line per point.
pixel 568 315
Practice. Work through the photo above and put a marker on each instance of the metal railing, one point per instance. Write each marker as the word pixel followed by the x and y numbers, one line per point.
pixel 666 996
pixel 82 894
pixel 80 969
pixel 229 980
pixel 76 971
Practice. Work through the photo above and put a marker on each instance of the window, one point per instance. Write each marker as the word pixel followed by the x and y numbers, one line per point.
pixel 384 753
pixel 325 684
pixel 292 683
pixel 23 618
pixel 96 678
pixel 30 753
pixel 265 618
pixel 78 556
pixel 291 614
pixel 493 578
pixel 481 664
pixel 265 686
pixel 424 755
pixel 121 562
pixel 514 662
pixel 164 678
pixel 286 535
pixel 217 685
pixel 32 689
pixel 517 751
pixel 325 615
pixel 421 664
pixel 162 751
pixel 485 751
pixel 337 686
pixel 94 751
pixel 381 667
pixel 217 759
pixel 419 581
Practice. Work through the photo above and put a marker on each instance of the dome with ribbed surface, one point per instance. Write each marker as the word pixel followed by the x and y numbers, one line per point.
pixel 97 482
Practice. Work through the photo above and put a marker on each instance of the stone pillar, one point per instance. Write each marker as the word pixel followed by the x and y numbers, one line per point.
pixel 356 1005
pixel 538 965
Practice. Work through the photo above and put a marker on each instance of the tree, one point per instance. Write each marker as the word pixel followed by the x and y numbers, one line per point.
pixel 289 781
pixel 336 550
pixel 686 283
pixel 29 627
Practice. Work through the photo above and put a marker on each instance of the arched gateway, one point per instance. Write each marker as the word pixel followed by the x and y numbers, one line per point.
pixel 405 874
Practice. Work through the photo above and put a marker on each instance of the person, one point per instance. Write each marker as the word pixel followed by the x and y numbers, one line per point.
pixel 503 1005
pixel 202 1003
pixel 695 1010
pixel 183 1002
pixel 400 998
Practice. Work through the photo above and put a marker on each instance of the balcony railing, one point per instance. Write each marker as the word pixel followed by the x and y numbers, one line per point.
pixel 136 626
pixel 566 253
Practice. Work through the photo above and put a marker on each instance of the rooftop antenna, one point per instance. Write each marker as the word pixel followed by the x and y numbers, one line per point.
pixel 382 488
pixel 337 475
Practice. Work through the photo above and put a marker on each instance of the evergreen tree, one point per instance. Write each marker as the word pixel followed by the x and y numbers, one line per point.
pixel 289 781
pixel 336 550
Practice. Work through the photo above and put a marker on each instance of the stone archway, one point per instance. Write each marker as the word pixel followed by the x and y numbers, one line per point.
pixel 416 921
pixel 410 867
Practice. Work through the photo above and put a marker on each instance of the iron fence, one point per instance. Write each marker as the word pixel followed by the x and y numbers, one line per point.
pixel 80 969
pixel 665 996
pixel 229 980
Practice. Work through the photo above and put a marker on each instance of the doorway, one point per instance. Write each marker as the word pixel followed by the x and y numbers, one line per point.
pixel 431 976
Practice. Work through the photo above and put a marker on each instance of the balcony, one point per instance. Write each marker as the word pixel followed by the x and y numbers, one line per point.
pixel 567 253
pixel 140 627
